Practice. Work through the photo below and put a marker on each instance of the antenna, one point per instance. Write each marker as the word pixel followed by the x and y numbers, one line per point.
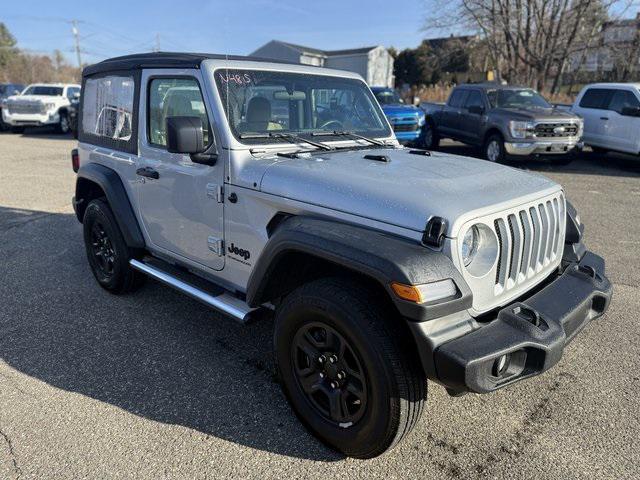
pixel 157 47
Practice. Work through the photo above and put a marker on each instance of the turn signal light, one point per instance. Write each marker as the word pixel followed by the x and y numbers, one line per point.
pixel 407 292
pixel 428 292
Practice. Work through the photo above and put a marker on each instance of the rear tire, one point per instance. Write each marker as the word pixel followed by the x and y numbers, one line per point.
pixel 107 252
pixel 335 326
pixel 494 150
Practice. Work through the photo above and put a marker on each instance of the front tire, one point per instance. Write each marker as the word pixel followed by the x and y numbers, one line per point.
pixel 430 139
pixel 63 125
pixel 107 251
pixel 347 368
pixel 599 150
pixel 494 150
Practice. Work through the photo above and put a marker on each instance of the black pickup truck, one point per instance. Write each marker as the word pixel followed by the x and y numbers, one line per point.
pixel 503 121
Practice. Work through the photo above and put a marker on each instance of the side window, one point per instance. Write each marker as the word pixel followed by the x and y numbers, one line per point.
pixel 71 92
pixel 595 98
pixel 622 99
pixel 457 98
pixel 474 99
pixel 174 97
pixel 107 107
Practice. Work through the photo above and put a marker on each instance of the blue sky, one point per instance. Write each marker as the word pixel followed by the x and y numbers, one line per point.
pixel 117 27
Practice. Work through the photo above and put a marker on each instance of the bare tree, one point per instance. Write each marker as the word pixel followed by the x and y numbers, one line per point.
pixel 529 41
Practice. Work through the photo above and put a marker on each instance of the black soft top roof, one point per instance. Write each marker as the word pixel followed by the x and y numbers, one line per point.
pixel 163 60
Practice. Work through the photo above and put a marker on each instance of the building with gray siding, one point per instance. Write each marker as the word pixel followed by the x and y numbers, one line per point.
pixel 375 64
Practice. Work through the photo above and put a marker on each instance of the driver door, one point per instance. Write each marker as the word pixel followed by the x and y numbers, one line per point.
pixel 181 209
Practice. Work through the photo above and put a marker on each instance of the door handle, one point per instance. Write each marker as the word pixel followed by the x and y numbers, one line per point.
pixel 148 172
pixel 604 118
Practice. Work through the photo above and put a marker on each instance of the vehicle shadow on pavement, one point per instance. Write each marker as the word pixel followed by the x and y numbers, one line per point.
pixel 153 353
pixel 609 164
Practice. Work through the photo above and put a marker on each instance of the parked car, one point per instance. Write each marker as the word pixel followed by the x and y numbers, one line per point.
pixel 7 90
pixel 41 105
pixel 73 110
pixel 611 113
pixel 503 120
pixel 383 266
pixel 406 120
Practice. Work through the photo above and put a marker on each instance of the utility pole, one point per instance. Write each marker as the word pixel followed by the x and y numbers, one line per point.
pixel 76 36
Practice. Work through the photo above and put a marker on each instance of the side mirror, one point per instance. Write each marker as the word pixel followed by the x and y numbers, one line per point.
pixel 16 92
pixel 630 111
pixel 185 135
pixel 76 96
pixel 476 109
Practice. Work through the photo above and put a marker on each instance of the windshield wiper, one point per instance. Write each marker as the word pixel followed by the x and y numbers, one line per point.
pixel 286 136
pixel 338 133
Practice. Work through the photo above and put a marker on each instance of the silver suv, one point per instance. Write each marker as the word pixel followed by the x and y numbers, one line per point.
pixel 266 188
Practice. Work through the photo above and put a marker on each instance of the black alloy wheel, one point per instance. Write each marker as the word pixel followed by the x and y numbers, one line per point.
pixel 103 250
pixel 328 370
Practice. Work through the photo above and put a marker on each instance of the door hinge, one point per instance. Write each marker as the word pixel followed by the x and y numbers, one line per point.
pixel 216 245
pixel 215 191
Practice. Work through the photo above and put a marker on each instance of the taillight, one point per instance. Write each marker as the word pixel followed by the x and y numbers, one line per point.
pixel 75 160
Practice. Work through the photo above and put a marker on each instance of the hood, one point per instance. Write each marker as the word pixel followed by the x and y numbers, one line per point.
pixel 407 190
pixel 33 98
pixel 537 113
pixel 400 109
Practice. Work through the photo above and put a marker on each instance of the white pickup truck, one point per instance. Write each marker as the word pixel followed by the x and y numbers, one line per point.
pixel 41 105
pixel 611 113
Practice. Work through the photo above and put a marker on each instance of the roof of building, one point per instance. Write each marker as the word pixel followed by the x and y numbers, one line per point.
pixel 165 60
pixel 326 53
pixel 301 48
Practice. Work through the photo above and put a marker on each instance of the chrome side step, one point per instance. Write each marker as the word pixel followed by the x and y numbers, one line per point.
pixel 224 302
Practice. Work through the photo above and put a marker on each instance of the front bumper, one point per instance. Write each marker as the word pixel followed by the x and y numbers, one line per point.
pixel 404 137
pixel 29 119
pixel 531 333
pixel 541 147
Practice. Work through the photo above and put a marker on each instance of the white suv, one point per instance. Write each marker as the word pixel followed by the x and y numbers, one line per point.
pixel 611 113
pixel 41 105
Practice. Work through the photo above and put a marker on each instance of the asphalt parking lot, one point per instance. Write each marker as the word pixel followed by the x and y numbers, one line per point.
pixel 154 385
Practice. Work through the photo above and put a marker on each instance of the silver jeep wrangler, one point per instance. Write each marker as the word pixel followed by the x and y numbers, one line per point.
pixel 268 188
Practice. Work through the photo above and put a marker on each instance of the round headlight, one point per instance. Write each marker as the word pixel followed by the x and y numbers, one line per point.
pixel 470 245
pixel 479 249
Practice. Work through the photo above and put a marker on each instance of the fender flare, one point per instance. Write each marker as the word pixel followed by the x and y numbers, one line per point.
pixel 111 184
pixel 381 256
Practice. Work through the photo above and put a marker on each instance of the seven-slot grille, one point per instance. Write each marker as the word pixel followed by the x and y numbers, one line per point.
pixel 405 127
pixel 24 107
pixel 555 130
pixel 529 240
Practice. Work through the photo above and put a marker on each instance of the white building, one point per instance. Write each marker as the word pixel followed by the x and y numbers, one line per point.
pixel 375 64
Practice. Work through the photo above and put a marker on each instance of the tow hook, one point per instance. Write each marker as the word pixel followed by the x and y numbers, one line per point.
pixel 528 314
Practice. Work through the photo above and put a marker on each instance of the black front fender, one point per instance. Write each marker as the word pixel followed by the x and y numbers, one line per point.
pixel 381 256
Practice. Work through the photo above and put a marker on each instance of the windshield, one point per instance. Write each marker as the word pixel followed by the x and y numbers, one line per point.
pixel 259 103
pixel 388 97
pixel 525 98
pixel 43 90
